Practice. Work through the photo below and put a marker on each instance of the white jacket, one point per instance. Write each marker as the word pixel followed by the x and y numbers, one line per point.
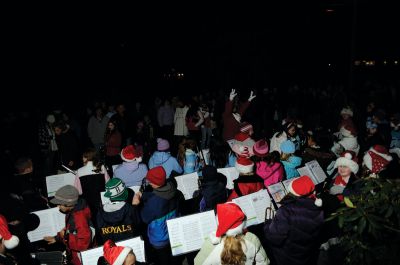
pixel 180 128
pixel 276 142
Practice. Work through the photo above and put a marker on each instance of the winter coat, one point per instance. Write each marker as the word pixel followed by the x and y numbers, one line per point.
pixel 113 144
pixel 96 129
pixel 118 221
pixel 78 235
pixel 293 233
pixel 276 141
pixel 180 128
pixel 244 185
pixel 165 116
pixel 290 167
pixel 131 173
pixel 88 170
pixel 160 205
pixel 252 248
pixel 231 125
pixel 347 143
pixel 271 174
pixel 168 162
pixel 214 192
pixel 190 164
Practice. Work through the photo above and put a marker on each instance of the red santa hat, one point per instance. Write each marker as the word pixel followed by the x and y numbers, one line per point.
pixel 231 221
pixel 244 165
pixel 10 241
pixel 243 145
pixel 304 187
pixel 348 159
pixel 348 130
pixel 131 153
pixel 115 255
pixel 377 158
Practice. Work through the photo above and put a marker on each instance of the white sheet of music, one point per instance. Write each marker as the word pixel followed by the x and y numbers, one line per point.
pixel 90 257
pixel 319 175
pixel 187 234
pixel 277 191
pixel 188 184
pixel 254 206
pixel 231 174
pixel 52 221
pixel 54 182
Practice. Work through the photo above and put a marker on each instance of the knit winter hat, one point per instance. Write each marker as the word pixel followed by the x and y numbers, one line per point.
pixel 348 159
pixel 244 165
pixel 260 148
pixel 130 153
pixel 247 128
pixel 377 158
pixel 67 195
pixel 347 110
pixel 288 147
pixel 115 255
pixel 162 144
pixel 157 176
pixel 10 241
pixel 231 221
pixel 116 190
pixel 304 186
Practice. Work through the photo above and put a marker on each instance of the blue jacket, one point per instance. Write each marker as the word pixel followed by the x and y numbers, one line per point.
pixel 293 233
pixel 291 165
pixel 160 205
pixel 168 162
pixel 131 173
pixel 191 163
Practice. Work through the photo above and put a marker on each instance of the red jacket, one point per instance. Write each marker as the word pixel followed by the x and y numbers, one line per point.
pixel 245 185
pixel 231 125
pixel 113 144
pixel 78 235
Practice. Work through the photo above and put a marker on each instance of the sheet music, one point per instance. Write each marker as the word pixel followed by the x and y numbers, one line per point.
pixel 254 206
pixel 90 257
pixel 305 171
pixel 52 221
pixel 231 174
pixel 134 188
pixel 188 184
pixel 188 233
pixel 54 182
pixel 319 175
pixel 277 191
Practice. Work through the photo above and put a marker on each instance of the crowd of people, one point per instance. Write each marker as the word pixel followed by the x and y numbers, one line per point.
pixel 148 147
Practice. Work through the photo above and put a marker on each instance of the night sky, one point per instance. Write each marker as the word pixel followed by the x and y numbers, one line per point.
pixel 90 50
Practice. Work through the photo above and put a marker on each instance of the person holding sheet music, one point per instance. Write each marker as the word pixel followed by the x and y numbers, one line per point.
pixel 289 160
pixel 292 235
pixel 213 188
pixel 247 182
pixel 120 219
pixel 117 255
pixel 231 243
pixel 162 157
pixel 158 206
pixel 77 234
pixel 132 171
pixel 187 156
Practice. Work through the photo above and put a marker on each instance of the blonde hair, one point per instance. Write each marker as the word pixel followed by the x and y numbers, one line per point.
pixel 285 157
pixel 233 254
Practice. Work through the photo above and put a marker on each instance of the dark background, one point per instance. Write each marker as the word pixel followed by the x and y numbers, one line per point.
pixel 123 51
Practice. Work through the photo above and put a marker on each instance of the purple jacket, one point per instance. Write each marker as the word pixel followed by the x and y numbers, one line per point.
pixel 271 174
pixel 293 234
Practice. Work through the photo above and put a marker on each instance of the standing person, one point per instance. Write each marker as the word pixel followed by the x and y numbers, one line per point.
pixel 132 171
pixel 194 118
pixel 48 145
pixel 165 117
pixel 77 234
pixel 231 244
pixel 187 156
pixel 292 235
pixel 97 126
pixel 268 166
pixel 160 205
pixel 67 142
pixel 162 157
pixel 206 131
pixel 232 115
pixel 113 144
pixel 180 129
pixel 212 188
pixel 120 219
pixel 287 132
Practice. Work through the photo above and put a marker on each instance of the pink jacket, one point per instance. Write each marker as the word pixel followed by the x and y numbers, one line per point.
pixel 271 174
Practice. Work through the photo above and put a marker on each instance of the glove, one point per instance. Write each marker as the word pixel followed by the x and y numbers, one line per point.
pixel 252 96
pixel 232 95
pixel 335 190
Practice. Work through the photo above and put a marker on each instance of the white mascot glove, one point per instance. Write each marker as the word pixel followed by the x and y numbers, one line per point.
pixel 232 95
pixel 252 96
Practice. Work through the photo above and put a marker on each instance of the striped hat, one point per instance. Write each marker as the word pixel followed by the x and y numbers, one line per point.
pixel 116 190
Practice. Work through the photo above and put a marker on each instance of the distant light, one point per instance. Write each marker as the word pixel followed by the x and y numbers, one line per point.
pixel 358 62
pixel 329 64
pixel 396 62
pixel 329 10
pixel 385 62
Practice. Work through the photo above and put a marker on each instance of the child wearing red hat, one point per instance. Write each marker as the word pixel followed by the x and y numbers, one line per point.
pixel 230 243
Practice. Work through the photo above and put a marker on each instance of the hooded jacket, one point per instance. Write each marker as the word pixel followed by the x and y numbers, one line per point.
pixel 131 173
pixel 168 162
pixel 271 174
pixel 290 167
